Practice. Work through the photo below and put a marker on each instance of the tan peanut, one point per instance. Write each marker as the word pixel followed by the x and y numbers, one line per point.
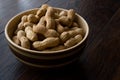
pixel 64 36
pixel 25 42
pixel 50 22
pixel 42 21
pixel 79 31
pixel 45 6
pixel 32 36
pixel 46 43
pixel 63 13
pixel 28 24
pixel 71 42
pixel 41 12
pixel 59 28
pixel 67 20
pixel 71 14
pixel 75 32
pixel 64 20
pixel 21 26
pixel 50 12
pixel 72 33
pixel 24 18
pixel 51 33
pixel 16 40
pixel 40 27
pixel 78 38
pixel 32 18
pixel 20 33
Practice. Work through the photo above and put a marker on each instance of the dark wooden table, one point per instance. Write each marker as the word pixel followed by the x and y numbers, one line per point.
pixel 100 59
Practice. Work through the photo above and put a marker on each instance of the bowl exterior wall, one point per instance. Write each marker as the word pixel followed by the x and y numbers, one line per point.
pixel 49 61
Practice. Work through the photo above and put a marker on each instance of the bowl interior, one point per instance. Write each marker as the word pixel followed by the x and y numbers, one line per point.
pixel 12 25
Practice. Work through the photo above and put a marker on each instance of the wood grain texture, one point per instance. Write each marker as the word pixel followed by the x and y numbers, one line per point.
pixel 104 52
pixel 10 68
pixel 100 59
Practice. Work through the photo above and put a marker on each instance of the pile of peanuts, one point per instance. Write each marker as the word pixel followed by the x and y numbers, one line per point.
pixel 50 29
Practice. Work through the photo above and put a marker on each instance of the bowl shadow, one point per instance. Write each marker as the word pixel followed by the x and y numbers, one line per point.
pixel 73 71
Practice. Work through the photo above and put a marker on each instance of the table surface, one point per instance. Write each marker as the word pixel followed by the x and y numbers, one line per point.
pixel 100 59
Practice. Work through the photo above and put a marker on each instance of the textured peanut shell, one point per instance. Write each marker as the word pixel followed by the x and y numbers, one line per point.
pixel 46 43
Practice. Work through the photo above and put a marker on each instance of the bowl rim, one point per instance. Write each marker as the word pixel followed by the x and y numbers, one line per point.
pixel 45 52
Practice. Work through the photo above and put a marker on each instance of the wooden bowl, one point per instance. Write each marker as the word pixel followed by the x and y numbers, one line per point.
pixel 44 59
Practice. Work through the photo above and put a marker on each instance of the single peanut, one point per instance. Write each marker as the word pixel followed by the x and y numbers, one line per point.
pixel 20 33
pixel 41 12
pixel 71 14
pixel 16 40
pixel 44 6
pixel 75 32
pixel 24 18
pixel 78 38
pixel 32 36
pixel 60 28
pixel 40 27
pixel 64 36
pixel 42 21
pixel 46 43
pixel 32 18
pixel 72 33
pixel 25 42
pixel 67 20
pixel 71 42
pixel 79 31
pixel 64 20
pixel 50 22
pixel 51 33
pixel 50 12
pixel 21 26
